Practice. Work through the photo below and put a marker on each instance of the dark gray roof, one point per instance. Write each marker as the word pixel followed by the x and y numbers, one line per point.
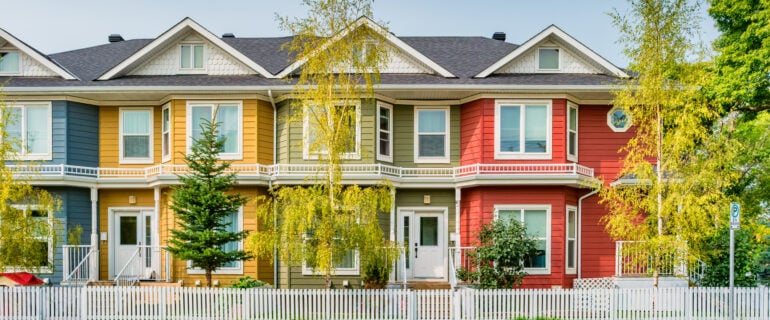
pixel 464 57
pixel 266 52
pixel 90 63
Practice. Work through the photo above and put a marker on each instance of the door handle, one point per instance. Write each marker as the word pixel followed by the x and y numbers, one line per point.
pixel 415 250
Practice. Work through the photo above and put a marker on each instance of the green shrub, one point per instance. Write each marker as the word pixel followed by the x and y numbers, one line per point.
pixel 246 283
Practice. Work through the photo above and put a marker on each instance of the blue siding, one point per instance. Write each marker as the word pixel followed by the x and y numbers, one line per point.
pixel 59 132
pixel 82 134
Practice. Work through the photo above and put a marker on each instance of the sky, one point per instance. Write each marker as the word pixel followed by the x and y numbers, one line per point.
pixel 53 26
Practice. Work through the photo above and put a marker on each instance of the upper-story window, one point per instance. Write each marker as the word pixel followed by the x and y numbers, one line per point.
pixel 10 62
pixel 431 138
pixel 548 59
pixel 384 132
pixel 230 127
pixel 30 127
pixel 537 223
pixel 618 120
pixel 351 118
pixel 136 135
pixel 191 57
pixel 523 130
pixel 572 132
pixel 166 132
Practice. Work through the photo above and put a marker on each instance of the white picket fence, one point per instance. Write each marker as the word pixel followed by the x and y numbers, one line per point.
pixel 233 304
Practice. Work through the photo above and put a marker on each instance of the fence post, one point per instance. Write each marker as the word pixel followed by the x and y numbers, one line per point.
pixel 613 303
pixel 41 302
pixel 83 303
pixel 455 305
pixel 413 305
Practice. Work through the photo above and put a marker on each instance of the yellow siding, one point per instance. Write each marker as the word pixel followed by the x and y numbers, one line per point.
pixel 265 132
pixel 109 198
pixel 109 138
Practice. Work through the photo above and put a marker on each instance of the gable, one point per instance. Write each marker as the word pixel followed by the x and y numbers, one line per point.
pixel 569 61
pixel 31 62
pixel 28 66
pixel 216 60
pixel 399 63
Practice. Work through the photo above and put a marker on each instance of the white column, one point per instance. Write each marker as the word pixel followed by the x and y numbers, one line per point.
pixel 458 197
pixel 94 261
pixel 392 233
pixel 156 236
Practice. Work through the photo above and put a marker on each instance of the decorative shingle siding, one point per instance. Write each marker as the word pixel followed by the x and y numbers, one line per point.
pixel 399 62
pixel 217 63
pixel 32 68
pixel 569 62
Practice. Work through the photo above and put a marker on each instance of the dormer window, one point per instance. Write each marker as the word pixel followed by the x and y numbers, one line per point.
pixel 548 59
pixel 10 62
pixel 191 57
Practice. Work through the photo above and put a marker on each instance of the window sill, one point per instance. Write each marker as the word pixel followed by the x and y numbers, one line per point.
pixel 337 272
pixel 538 271
pixel 522 156
pixel 237 271
pixel 385 158
pixel 35 157
pixel 347 156
pixel 136 161
pixel 431 160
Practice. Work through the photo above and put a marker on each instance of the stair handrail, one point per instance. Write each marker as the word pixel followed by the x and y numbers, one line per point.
pixel 68 278
pixel 131 262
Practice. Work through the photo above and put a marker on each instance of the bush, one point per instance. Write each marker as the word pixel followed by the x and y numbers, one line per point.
pixel 246 283
pixel 377 266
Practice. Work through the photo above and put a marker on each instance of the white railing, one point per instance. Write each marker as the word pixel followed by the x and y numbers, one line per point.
pixel 76 264
pixel 374 170
pixel 636 259
pixel 213 303
pixel 133 269
pixel 459 260
pixel 144 265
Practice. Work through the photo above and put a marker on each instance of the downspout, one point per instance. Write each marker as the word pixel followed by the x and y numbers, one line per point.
pixel 580 232
pixel 94 262
pixel 270 184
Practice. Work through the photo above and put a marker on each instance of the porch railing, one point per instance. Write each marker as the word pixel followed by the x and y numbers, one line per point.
pixel 77 266
pixel 459 260
pixel 140 266
pixel 637 259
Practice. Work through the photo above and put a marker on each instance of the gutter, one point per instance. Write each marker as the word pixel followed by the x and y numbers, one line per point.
pixel 580 232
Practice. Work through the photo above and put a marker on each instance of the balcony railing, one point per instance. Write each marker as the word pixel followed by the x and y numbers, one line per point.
pixel 288 171
pixel 637 259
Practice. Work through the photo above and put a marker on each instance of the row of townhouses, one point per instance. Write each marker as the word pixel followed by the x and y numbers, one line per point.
pixel 467 129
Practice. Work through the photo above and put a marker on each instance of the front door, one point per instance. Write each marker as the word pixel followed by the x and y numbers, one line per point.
pixel 423 232
pixel 134 230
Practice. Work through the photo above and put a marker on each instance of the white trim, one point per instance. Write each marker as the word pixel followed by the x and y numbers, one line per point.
pixel 380 156
pixel 32 53
pixel 214 105
pixel 23 155
pixel 558 59
pixel 616 129
pixel 307 155
pixel 556 32
pixel 112 239
pixel 364 21
pixel 447 148
pixel 20 58
pixel 444 236
pixel 567 269
pixel 354 271
pixel 548 240
pixel 174 34
pixel 170 146
pixel 150 144
pixel 573 157
pixel 49 238
pixel 522 154
pixel 239 264
pixel 192 69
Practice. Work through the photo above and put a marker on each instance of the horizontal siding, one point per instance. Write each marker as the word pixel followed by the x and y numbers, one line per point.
pixel 82 134
pixel 265 122
pixel 109 138
pixel 59 132
pixel 403 137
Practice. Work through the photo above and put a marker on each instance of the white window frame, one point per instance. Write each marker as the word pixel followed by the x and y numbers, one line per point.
pixel 214 105
pixel 238 270
pixel 307 155
pixel 573 269
pixel 537 58
pixel 51 249
pixel 166 157
pixel 380 156
pixel 151 144
pixel 192 68
pixel 570 106
pixel 23 155
pixel 21 64
pixel 354 271
pixel 521 208
pixel 522 155
pixel 447 133
pixel 616 129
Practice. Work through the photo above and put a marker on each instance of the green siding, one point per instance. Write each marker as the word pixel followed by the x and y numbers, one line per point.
pixel 438 198
pixel 403 134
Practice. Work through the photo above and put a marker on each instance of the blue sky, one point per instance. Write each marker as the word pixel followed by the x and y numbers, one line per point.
pixel 57 25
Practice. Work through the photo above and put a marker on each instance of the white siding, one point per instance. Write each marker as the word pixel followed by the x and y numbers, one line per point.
pixel 401 63
pixel 570 62
pixel 31 68
pixel 217 62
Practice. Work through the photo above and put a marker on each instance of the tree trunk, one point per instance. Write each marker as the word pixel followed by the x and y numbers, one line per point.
pixel 208 278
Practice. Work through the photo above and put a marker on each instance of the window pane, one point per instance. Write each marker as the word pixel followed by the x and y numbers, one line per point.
pixel 535 223
pixel 538 259
pixel 508 215
pixel 136 122
pixel 571 224
pixel 384 119
pixel 198 57
pixel 351 120
pixel 406 240
pixel 572 143
pixel 429 231
pixel 618 118
pixel 166 119
pixel 232 219
pixel 136 146
pixel 9 62
pixel 14 127
pixel 570 253
pixel 38 136
pixel 227 117
pixel 345 261
pixel 432 146
pixel 199 114
pixel 535 129
pixel 384 143
pixel 573 119
pixel 128 234
pixel 432 121
pixel 43 247
pixel 549 58
pixel 185 58
pixel 510 129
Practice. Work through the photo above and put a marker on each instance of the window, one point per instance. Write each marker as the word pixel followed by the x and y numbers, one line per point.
pixel 136 135
pixel 523 130
pixel 345 262
pixel 228 116
pixel 571 239
pixel 191 57
pixel 618 120
pixel 431 139
pixel 311 150
pixel 30 126
pixel 10 62
pixel 572 132
pixel 44 239
pixel 384 132
pixel 235 220
pixel 537 222
pixel 548 59
pixel 166 132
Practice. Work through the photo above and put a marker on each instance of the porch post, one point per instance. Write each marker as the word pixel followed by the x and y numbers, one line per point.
pixel 155 249
pixel 458 197
pixel 392 235
pixel 93 269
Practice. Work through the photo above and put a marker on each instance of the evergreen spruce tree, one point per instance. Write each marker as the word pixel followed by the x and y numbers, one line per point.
pixel 201 205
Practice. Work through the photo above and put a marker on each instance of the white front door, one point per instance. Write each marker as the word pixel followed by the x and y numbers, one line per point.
pixel 134 229
pixel 423 232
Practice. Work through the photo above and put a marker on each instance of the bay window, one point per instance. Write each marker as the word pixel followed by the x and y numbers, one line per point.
pixel 570 263
pixel 536 220
pixel 384 132
pixel 136 135
pixel 312 147
pixel 523 130
pixel 30 126
pixel 572 132
pixel 230 127
pixel 431 139
pixel 166 132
